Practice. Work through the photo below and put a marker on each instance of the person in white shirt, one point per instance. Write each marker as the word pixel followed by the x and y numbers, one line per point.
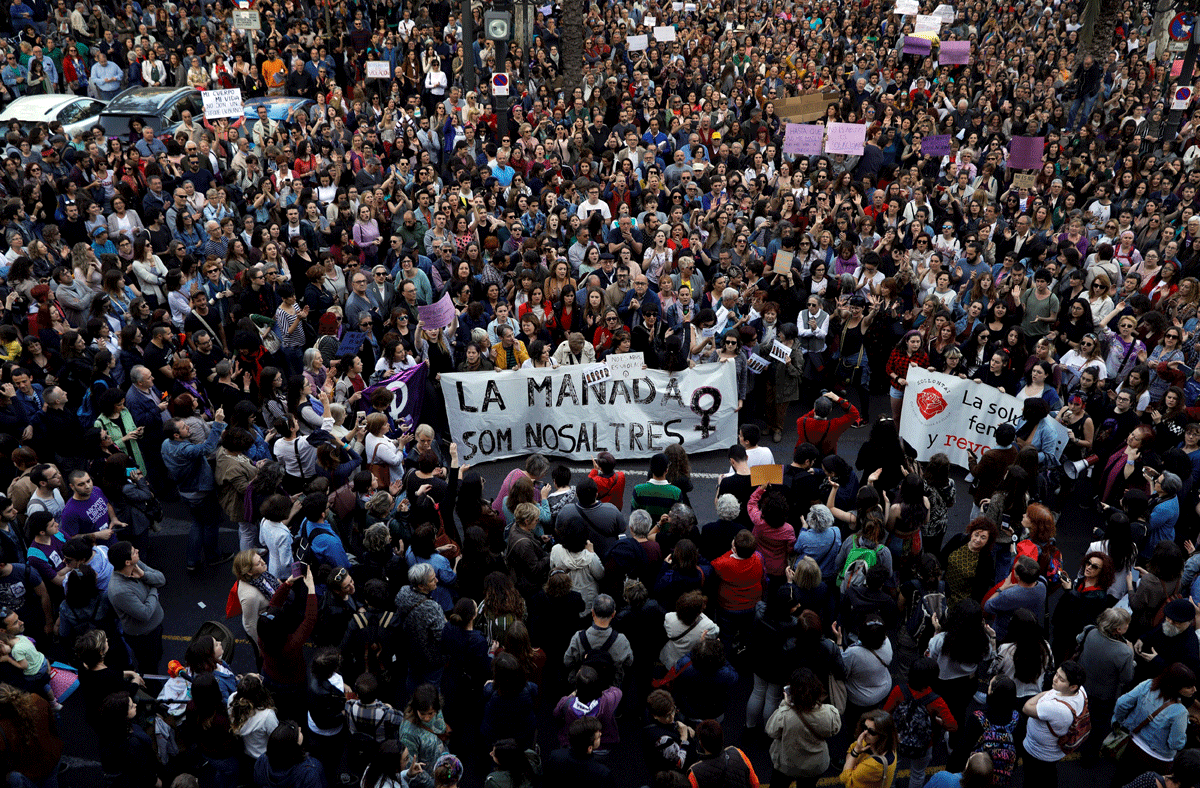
pixel 748 436
pixel 1051 714
pixel 47 495
pixel 592 204
pixel 382 450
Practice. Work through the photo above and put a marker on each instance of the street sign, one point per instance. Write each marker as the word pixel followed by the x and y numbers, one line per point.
pixel 1183 97
pixel 500 84
pixel 246 20
pixel 1181 26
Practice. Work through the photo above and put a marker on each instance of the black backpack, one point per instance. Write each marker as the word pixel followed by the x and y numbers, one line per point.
pixel 599 658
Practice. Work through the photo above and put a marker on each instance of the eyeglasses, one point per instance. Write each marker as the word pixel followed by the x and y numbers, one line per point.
pixel 339 576
pixel 611 319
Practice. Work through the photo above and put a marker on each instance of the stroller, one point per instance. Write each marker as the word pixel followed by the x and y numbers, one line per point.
pixel 172 700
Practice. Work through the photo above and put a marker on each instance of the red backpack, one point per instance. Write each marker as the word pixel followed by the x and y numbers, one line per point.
pixel 1077 733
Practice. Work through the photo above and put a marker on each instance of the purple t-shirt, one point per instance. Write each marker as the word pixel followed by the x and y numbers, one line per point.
pixel 85 517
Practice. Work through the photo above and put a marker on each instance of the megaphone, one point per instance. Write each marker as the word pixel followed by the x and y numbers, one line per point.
pixel 1079 468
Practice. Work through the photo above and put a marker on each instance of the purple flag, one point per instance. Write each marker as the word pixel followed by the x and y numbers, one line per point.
pixel 916 46
pixel 1025 153
pixel 954 53
pixel 936 145
pixel 409 387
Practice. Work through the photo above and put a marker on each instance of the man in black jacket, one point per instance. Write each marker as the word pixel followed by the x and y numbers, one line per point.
pixel 1089 79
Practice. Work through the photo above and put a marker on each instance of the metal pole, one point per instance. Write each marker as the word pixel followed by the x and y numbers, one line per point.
pixel 470 77
pixel 505 101
pixel 1185 78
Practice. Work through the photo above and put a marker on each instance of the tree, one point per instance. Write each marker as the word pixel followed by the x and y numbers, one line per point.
pixel 572 46
pixel 1100 19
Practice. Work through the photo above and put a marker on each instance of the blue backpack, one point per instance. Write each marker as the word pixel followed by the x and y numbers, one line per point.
pixel 86 412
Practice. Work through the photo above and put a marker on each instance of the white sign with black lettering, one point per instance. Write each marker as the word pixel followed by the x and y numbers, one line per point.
pixel 223 103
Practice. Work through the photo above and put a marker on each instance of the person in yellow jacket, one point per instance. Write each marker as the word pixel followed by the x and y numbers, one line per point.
pixel 509 352
pixel 871 759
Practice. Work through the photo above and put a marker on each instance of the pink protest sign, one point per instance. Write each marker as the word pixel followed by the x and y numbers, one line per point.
pixel 803 139
pixel 916 46
pixel 1025 153
pixel 954 53
pixel 437 315
pixel 847 138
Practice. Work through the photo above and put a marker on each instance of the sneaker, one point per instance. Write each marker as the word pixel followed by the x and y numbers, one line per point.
pixel 859 424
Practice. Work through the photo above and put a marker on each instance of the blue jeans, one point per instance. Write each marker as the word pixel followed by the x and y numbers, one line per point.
pixel 764 700
pixel 917 766
pixel 202 536
pixel 1086 103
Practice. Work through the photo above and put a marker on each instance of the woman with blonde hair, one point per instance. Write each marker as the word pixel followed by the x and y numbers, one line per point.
pixel 255 586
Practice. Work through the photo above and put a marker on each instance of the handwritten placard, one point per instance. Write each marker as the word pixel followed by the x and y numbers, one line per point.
pixel 954 53
pixel 649 21
pixel 847 138
pixel 783 262
pixel 1024 180
pixel 907 7
pixel 936 145
pixel 378 69
pixel 1025 153
pixel 914 45
pixel 806 139
pixel 351 342
pixel 781 352
pixel 946 12
pixel 664 33
pixel 223 103
pixel 638 43
pixel 927 23
pixel 437 315
pixel 626 366
pixel 756 363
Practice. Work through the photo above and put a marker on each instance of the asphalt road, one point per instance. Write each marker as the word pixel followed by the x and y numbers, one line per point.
pixel 190 601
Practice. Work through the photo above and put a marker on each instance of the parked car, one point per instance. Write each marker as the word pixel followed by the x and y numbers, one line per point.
pixel 76 113
pixel 159 108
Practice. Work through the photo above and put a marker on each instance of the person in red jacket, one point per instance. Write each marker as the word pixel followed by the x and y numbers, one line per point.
pixel 918 697
pixel 821 428
pixel 742 576
pixel 610 483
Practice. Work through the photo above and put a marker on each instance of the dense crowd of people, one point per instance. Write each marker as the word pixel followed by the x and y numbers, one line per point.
pixel 207 314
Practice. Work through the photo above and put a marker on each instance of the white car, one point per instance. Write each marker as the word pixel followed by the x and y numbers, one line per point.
pixel 75 113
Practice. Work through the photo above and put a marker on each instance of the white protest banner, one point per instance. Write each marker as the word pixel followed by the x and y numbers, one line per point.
pixel 223 103
pixel 437 315
pixel 649 21
pixel 907 7
pixel 493 415
pixel 625 366
pixel 946 414
pixel 946 12
pixel 756 363
pixel 378 69
pixel 664 33
pixel 927 23
pixel 847 138
pixel 638 43
pixel 781 352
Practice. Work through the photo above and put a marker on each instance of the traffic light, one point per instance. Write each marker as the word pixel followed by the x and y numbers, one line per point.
pixel 497 25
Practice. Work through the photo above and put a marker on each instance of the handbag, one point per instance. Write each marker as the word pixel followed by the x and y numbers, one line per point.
pixel 270 339
pixel 1117 741
pixel 381 471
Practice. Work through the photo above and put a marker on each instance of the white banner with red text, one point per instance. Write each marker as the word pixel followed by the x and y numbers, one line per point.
pixel 943 414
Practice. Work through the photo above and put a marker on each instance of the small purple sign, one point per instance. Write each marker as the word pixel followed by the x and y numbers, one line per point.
pixel 936 145
pixel 916 46
pixel 954 53
pixel 1025 153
